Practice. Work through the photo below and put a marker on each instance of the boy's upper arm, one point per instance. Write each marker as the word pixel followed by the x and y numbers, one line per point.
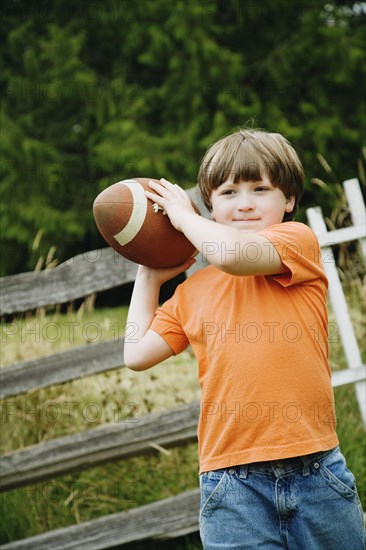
pixel 297 249
pixel 288 250
pixel 151 350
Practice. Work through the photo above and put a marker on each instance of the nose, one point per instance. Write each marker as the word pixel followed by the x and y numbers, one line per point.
pixel 245 202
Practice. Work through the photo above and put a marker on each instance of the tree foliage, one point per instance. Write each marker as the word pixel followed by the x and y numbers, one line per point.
pixel 94 92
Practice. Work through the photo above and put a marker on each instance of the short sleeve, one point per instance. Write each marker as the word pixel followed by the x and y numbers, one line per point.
pixel 299 251
pixel 167 324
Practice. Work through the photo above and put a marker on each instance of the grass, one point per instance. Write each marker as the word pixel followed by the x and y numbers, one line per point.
pixel 84 404
pixel 98 491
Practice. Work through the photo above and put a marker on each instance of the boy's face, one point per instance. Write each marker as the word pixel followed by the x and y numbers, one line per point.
pixel 250 205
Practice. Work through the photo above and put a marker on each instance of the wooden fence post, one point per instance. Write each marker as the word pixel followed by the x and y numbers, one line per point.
pixel 357 208
pixel 336 294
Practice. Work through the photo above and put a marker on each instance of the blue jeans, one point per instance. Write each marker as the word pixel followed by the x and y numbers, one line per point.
pixel 304 503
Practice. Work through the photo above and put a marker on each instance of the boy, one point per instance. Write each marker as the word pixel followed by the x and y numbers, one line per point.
pixel 271 473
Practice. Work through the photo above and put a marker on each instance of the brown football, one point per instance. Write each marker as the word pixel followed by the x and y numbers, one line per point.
pixel 137 228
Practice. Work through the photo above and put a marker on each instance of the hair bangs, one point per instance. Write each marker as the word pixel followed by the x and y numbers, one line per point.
pixel 236 163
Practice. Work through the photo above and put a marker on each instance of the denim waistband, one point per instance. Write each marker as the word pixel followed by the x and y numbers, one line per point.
pixel 284 466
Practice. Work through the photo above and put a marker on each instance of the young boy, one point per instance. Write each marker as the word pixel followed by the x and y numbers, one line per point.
pixel 271 473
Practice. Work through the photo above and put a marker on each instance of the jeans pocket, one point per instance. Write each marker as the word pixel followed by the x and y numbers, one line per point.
pixel 335 472
pixel 213 486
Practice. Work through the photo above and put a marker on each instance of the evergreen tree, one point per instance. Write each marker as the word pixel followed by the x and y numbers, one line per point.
pixel 94 92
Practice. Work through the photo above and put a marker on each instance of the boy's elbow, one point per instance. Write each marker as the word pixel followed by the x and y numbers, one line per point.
pixel 131 366
pixel 135 362
pixel 147 353
pixel 226 267
pixel 233 268
pixel 136 368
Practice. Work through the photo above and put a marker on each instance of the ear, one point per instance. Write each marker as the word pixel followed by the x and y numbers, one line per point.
pixel 290 203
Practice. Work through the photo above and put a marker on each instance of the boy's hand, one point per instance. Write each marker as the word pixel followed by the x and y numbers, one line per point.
pixel 173 199
pixel 164 274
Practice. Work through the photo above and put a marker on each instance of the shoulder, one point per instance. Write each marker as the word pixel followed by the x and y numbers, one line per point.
pixel 299 250
pixel 293 235
pixel 286 230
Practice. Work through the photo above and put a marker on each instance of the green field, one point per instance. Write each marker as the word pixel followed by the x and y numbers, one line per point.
pixel 84 404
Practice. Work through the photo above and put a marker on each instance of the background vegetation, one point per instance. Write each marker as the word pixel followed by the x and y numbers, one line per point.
pixel 94 92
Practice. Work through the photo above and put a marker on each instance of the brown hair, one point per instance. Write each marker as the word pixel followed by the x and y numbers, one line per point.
pixel 249 155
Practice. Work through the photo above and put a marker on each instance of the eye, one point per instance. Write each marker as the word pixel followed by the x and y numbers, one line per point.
pixel 261 188
pixel 228 192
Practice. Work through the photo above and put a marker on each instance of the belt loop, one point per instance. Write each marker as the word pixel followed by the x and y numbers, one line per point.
pixel 306 461
pixel 243 471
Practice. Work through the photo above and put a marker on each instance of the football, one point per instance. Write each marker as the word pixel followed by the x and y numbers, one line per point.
pixel 137 228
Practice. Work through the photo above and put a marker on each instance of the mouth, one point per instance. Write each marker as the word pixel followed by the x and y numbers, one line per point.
pixel 246 220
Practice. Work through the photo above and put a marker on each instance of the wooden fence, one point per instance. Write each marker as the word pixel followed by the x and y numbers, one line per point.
pixel 80 276
pixel 338 301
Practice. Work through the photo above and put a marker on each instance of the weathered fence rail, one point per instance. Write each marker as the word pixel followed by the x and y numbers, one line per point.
pixel 83 275
pixel 94 271
pixel 61 367
pixel 131 437
pixel 168 518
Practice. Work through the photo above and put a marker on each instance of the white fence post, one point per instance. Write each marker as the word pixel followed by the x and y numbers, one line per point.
pixel 336 294
pixel 357 208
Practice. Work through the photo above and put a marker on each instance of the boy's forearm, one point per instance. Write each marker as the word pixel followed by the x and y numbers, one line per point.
pixel 227 248
pixel 230 250
pixel 144 301
pixel 207 236
pixel 145 348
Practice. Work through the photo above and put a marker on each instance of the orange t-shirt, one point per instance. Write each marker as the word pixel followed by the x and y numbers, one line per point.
pixel 262 348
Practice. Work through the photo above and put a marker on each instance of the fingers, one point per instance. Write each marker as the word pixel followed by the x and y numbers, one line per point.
pixel 189 262
pixel 173 187
pixel 164 274
pixel 161 186
pixel 184 266
pixel 172 198
pixel 156 193
pixel 167 183
pixel 164 190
